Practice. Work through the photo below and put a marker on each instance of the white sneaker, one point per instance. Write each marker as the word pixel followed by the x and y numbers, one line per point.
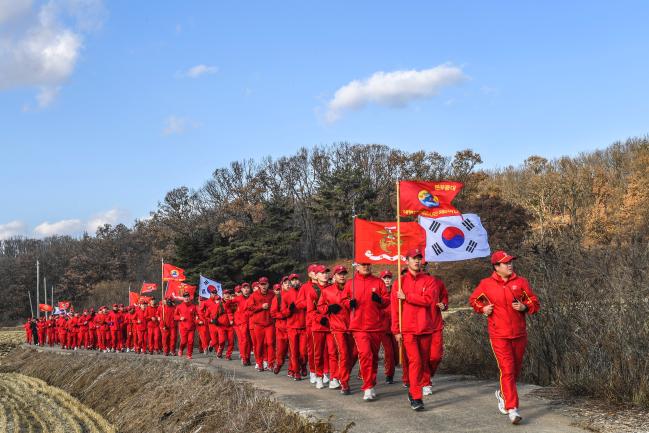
pixel 501 403
pixel 427 390
pixel 368 395
pixel 265 365
pixel 325 379
pixel 514 417
pixel 319 383
pixel 312 378
pixel 334 384
pixel 373 393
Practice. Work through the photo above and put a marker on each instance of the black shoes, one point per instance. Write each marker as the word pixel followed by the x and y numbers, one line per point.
pixel 389 379
pixel 416 405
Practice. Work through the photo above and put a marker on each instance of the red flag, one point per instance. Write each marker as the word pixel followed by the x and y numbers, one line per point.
pixel 64 305
pixel 45 307
pixel 145 299
pixel 430 199
pixel 172 273
pixel 376 242
pixel 133 298
pixel 175 289
pixel 148 287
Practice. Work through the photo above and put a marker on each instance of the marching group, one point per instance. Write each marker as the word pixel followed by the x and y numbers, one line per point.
pixel 323 326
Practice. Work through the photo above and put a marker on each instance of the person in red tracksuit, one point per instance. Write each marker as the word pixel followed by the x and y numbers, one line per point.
pixel 263 329
pixel 302 305
pixel 331 305
pixel 140 328
pixel 61 326
pixel 324 350
pixel 72 331
pixel 115 326
pixel 168 327
pixel 84 325
pixel 153 327
pixel 505 298
pixel 28 331
pixel 129 318
pixel 208 310
pixel 202 325
pixel 241 324
pixel 123 331
pixel 92 331
pixel 366 295
pixel 186 314
pixel 440 303
pixel 295 329
pixel 225 323
pixel 388 342
pixel 281 334
pixel 417 294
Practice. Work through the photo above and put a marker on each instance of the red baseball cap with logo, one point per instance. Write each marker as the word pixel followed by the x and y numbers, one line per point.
pixel 414 252
pixel 263 280
pixel 320 268
pixel 386 274
pixel 340 269
pixel 501 257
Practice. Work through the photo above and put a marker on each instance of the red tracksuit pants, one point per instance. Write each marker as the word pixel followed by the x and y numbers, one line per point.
pixel 203 337
pixel 368 344
pixel 91 338
pixel 63 338
pixel 343 343
pixel 297 350
pixel 243 341
pixel 436 353
pixel 226 336
pixel 169 337
pixel 324 353
pixel 264 344
pixel 309 349
pixel 281 346
pixel 509 356
pixel 417 348
pixel 390 352
pixel 116 339
pixel 153 334
pixel 186 340
pixel 213 331
pixel 140 344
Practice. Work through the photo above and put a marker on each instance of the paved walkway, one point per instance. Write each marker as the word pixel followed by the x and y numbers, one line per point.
pixel 458 403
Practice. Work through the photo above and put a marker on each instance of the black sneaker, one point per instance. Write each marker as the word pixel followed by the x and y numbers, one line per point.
pixel 410 400
pixel 345 391
pixel 417 405
pixel 389 379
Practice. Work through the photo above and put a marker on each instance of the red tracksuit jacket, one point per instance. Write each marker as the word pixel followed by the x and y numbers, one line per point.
pixel 334 294
pixel 422 292
pixel 259 316
pixel 276 312
pixel 169 322
pixel 367 316
pixel 296 320
pixel 241 314
pixel 309 296
pixel 140 315
pixel 505 322
pixel 224 313
pixel 186 314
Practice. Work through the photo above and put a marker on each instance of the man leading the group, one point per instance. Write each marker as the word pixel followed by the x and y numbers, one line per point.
pixel 505 298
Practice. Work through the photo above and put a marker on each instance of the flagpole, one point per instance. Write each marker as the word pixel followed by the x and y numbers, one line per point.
pixel 353 253
pixel 31 307
pixel 52 297
pixel 38 290
pixel 162 286
pixel 399 271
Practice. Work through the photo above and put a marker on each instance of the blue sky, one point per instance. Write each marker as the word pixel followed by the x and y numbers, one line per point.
pixel 105 106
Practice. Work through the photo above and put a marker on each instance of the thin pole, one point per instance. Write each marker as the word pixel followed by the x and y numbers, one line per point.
pixel 399 271
pixel 45 292
pixel 353 254
pixel 162 285
pixel 31 307
pixel 52 296
pixel 128 300
pixel 38 290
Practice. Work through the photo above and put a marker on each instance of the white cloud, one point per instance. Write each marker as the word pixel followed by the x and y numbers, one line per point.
pixel 198 70
pixel 40 46
pixel 11 229
pixel 112 217
pixel 392 89
pixel 178 125
pixel 63 227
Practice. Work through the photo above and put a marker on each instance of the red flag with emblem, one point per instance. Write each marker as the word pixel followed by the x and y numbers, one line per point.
pixel 64 305
pixel 175 290
pixel 376 242
pixel 148 287
pixel 45 307
pixel 429 199
pixel 172 273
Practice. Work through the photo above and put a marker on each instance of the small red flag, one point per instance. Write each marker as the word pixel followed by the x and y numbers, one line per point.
pixel 64 305
pixel 145 299
pixel 430 199
pixel 45 307
pixel 175 289
pixel 376 242
pixel 148 287
pixel 172 273
pixel 133 298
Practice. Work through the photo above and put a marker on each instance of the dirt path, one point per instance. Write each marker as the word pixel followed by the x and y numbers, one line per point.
pixel 28 404
pixel 458 404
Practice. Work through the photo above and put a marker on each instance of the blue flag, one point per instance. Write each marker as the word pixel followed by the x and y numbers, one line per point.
pixel 206 285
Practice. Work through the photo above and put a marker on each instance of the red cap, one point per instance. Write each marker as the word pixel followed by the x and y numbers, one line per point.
pixel 244 285
pixel 102 307
pixel 320 268
pixel 284 278
pixel 115 305
pixel 501 257
pixel 414 252
pixel 255 284
pixel 340 269
pixel 294 277
pixel 311 267
pixel 386 274
pixel 263 280
pixel 276 286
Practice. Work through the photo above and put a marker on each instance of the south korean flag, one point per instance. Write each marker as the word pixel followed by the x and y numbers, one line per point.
pixel 454 238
